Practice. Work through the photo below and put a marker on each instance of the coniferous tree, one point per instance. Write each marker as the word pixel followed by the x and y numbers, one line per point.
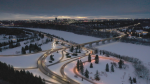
pixel 71 49
pixel 18 44
pixel 39 49
pixel 100 52
pixel 29 50
pixel 78 65
pixel 18 40
pixel 20 77
pixel 120 63
pixel 81 67
pixel 23 50
pixel 96 51
pixel 131 82
pixel 89 58
pixel 97 76
pixel 103 52
pixel 79 51
pixel 11 42
pixel 130 78
pixel 26 47
pixel 39 34
pixel 134 80
pixel 35 47
pixel 91 65
pixel 112 68
pixel 86 73
pixel 0 49
pixel 96 59
pixel 10 45
pixel 76 50
pixel 0 44
pixel 107 68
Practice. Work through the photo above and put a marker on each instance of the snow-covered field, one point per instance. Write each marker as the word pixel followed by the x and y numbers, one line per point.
pixel 132 50
pixel 7 38
pixel 25 61
pixel 68 35
pixel 113 77
pixel 57 57
pixel 13 50
pixel 68 70
pixel 138 51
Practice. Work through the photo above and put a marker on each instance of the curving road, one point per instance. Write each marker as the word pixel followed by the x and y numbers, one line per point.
pixel 63 79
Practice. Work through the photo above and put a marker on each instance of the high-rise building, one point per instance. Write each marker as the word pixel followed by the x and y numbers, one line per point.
pixel 55 19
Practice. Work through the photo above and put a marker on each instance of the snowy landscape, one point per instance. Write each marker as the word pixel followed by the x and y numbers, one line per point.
pixel 74 41
pixel 122 76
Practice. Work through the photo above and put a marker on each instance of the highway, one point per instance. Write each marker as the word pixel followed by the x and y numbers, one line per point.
pixel 43 68
pixel 63 79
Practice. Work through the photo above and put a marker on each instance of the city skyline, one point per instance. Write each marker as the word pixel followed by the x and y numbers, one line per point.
pixel 69 9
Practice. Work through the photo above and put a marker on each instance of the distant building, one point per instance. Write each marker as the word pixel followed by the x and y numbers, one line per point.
pixel 146 27
pixel 55 19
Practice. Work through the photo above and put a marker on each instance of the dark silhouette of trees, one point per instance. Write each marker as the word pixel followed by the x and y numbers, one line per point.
pixel 7 73
pixel 86 73
pixel 89 58
pixel 97 78
pixel 107 68
pixel 112 68
pixel 78 65
pixel 91 65
pixel 120 63
pixel 96 59
pixel 81 67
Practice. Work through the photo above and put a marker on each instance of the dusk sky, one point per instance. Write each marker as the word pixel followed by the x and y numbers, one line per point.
pixel 73 9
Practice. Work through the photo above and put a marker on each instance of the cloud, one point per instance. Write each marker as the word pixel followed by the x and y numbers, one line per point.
pixel 10 16
pixel 73 8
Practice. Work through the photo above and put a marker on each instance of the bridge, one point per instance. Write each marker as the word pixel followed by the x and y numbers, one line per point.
pixel 65 79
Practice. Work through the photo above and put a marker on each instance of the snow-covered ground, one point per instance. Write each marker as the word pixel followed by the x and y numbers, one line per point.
pixel 128 49
pixel 7 38
pixel 113 77
pixel 132 50
pixel 68 35
pixel 68 70
pixel 13 50
pixel 57 57
pixel 25 61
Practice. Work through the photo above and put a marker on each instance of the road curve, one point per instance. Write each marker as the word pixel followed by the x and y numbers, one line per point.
pixel 62 68
pixel 43 68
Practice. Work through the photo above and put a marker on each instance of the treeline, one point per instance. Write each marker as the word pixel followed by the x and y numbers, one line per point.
pixel 70 28
pixel 9 44
pixel 31 47
pixel 135 41
pixel 7 73
pixel 6 43
pixel 12 31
